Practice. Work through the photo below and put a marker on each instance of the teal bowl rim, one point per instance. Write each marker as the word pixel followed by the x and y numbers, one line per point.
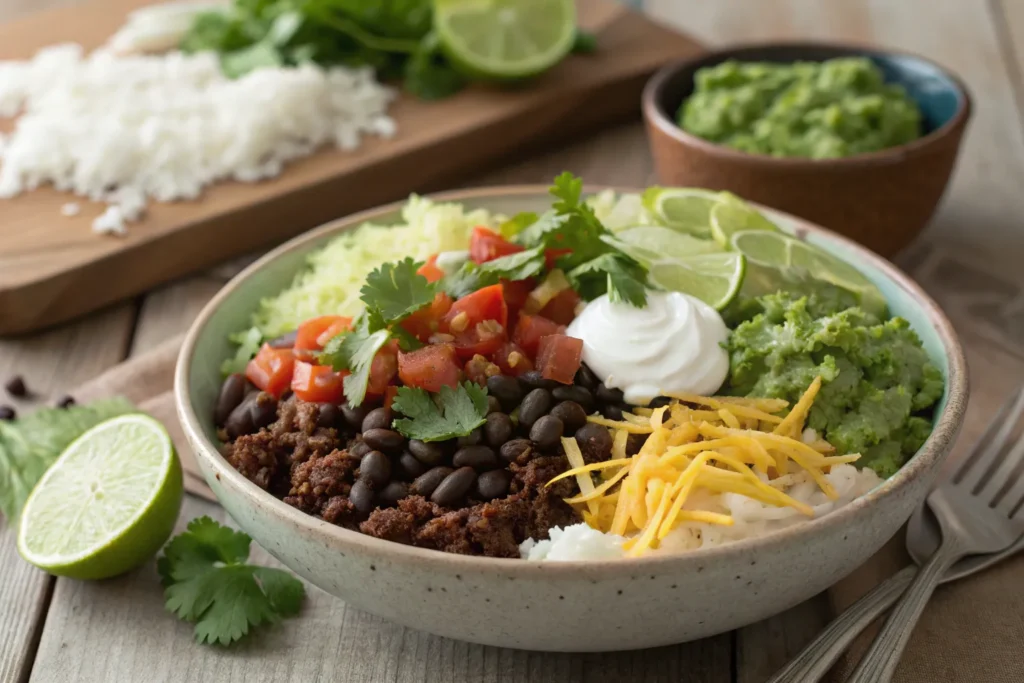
pixel 927 459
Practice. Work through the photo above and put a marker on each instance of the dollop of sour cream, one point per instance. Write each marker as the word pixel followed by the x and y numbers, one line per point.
pixel 673 344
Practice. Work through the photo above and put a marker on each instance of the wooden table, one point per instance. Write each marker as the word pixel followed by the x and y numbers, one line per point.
pixel 117 630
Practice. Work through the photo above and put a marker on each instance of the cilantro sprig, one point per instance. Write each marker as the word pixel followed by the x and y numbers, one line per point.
pixel 446 415
pixel 473 276
pixel 208 582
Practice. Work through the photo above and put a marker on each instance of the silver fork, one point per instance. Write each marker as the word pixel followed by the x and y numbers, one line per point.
pixel 980 509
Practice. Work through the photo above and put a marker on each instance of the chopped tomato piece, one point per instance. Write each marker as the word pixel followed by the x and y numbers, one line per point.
pixel 551 256
pixel 487 245
pixel 562 309
pixel 342 324
pixel 427 321
pixel 482 339
pixel 516 293
pixel 512 360
pixel 559 357
pixel 478 369
pixel 430 368
pixel 383 369
pixel 318 383
pixel 271 370
pixel 530 329
pixel 430 270
pixel 389 395
pixel 487 303
pixel 310 332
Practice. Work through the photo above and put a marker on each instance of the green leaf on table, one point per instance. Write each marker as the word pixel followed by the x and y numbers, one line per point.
pixel 449 414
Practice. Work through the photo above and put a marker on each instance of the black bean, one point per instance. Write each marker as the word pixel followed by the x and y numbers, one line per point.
pixel 607 394
pixel 232 391
pixel 386 440
pixel 659 401
pixel 595 442
pixel 571 413
pixel 586 378
pixel 471 439
pixel 506 389
pixel 240 421
pixel 361 496
pixel 354 414
pixel 425 484
pixel 378 418
pixel 546 432
pixel 454 487
pixel 16 387
pixel 393 492
pixel 514 449
pixel 536 404
pixel 427 453
pixel 408 467
pixel 285 341
pixel 264 410
pixel 493 405
pixel 498 429
pixel 7 413
pixel 634 442
pixel 612 411
pixel 493 484
pixel 66 401
pixel 375 467
pixel 328 416
pixel 534 380
pixel 576 394
pixel 480 458
pixel 359 449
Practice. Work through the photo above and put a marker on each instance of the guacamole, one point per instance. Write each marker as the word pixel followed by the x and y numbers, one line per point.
pixel 879 388
pixel 817 110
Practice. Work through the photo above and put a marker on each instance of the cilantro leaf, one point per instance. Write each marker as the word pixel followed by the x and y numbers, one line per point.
pixel 517 266
pixel 446 415
pixel 248 345
pixel 624 279
pixel 467 279
pixel 428 75
pixel 396 290
pixel 29 445
pixel 515 225
pixel 206 581
pixel 354 351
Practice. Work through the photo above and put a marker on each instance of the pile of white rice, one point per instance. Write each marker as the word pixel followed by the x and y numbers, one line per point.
pixel 751 519
pixel 127 129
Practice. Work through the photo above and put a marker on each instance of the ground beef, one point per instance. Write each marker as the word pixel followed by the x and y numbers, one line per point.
pixel 316 481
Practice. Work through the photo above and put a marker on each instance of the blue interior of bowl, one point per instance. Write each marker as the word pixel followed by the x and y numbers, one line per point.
pixel 934 91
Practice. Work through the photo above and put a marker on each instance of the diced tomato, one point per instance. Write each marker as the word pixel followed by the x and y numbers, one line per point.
pixel 430 368
pixel 389 395
pixel 383 369
pixel 310 332
pixel 318 383
pixel 487 303
pixel 552 255
pixel 512 360
pixel 562 309
pixel 340 325
pixel 487 245
pixel 515 294
pixel 559 357
pixel 430 270
pixel 530 329
pixel 427 321
pixel 271 370
pixel 478 369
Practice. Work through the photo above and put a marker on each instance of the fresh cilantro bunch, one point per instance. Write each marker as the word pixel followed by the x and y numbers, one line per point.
pixel 449 414
pixel 207 581
pixel 391 294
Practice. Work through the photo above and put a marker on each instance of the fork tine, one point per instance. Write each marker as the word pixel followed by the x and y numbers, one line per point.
pixel 1004 474
pixel 998 432
pixel 1013 497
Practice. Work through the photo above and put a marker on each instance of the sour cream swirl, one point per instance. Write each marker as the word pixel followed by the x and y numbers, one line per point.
pixel 671 345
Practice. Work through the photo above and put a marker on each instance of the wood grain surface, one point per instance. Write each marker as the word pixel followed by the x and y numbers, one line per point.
pixel 52 267
pixel 111 631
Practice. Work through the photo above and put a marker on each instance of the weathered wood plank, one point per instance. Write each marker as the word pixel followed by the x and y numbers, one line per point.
pixel 50 362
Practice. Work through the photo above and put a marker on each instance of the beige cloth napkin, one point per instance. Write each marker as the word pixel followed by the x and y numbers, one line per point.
pixel 972 630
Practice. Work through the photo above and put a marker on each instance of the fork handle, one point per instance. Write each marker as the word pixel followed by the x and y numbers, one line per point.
pixel 879 663
pixel 820 654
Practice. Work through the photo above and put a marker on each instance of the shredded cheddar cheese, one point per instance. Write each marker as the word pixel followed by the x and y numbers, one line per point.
pixel 721 444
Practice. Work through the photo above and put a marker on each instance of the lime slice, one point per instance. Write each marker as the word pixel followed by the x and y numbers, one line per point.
pixel 685 209
pixel 505 39
pixel 715 279
pixel 657 242
pixel 107 504
pixel 732 215
pixel 782 252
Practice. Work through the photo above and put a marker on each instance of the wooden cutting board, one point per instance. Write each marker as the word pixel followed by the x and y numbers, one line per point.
pixel 53 267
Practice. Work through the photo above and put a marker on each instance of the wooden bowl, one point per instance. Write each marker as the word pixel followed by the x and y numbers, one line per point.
pixel 881 199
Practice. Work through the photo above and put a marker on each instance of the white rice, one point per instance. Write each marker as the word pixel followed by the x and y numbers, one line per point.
pixel 751 519
pixel 124 130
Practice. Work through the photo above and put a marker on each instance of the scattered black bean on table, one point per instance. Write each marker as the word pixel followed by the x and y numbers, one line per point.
pixel 16 387
pixel 7 413
pixel 66 401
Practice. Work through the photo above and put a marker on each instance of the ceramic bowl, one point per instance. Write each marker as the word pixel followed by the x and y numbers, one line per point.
pixel 883 199
pixel 561 606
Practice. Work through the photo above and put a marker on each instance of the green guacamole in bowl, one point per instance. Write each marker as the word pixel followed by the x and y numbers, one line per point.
pixel 817 110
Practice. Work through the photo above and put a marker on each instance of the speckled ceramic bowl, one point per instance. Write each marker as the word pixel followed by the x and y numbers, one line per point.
pixel 571 606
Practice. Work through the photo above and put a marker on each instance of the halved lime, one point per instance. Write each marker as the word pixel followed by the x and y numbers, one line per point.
pixel 732 215
pixel 715 279
pixel 107 504
pixel 783 252
pixel 505 39
pixel 685 209
pixel 659 242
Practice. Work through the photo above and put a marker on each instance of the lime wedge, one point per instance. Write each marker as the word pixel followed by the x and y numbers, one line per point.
pixel 685 209
pixel 658 242
pixel 732 215
pixel 505 39
pixel 107 504
pixel 784 253
pixel 715 279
